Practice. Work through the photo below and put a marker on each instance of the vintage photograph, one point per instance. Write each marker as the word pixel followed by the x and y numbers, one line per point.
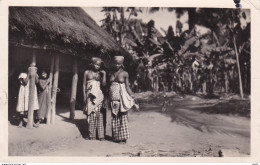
pixel 129 81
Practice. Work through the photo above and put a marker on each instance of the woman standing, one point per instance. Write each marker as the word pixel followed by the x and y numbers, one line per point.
pixel 23 97
pixel 42 96
pixel 121 99
pixel 93 98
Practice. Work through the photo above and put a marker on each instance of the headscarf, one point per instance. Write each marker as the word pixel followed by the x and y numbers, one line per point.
pixel 43 71
pixel 119 59
pixel 95 59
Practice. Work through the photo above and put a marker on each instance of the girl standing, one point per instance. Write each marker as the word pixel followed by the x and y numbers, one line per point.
pixel 42 96
pixel 121 100
pixel 93 99
pixel 23 98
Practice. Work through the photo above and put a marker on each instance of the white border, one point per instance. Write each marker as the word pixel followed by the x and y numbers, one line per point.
pixel 255 92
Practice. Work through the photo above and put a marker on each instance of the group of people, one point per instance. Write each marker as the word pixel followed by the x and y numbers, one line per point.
pixel 103 91
pixel 40 95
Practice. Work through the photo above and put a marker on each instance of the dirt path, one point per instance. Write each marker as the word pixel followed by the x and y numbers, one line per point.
pixel 182 131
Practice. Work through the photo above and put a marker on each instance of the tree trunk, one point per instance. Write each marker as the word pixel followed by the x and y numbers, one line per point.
pixel 50 91
pixel 157 84
pixel 115 25
pixel 238 68
pixel 54 89
pixel 204 87
pixel 32 74
pixel 192 17
pixel 191 81
pixel 74 89
pixel 122 19
pixel 211 82
pixel 226 83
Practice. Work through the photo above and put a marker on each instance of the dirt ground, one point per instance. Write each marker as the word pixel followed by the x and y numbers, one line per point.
pixel 192 127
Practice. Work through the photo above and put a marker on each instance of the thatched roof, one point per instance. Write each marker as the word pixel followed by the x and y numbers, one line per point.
pixel 69 30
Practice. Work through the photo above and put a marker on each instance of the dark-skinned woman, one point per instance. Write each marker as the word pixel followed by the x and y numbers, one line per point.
pixel 93 79
pixel 121 100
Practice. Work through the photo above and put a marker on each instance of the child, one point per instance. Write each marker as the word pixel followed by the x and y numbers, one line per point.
pixel 42 96
pixel 23 98
pixel 166 102
pixel 135 104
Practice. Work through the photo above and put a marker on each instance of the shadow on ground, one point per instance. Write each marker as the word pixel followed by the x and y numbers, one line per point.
pixel 81 124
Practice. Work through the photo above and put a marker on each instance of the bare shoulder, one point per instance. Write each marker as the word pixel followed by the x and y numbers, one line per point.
pixel 125 73
pixel 86 72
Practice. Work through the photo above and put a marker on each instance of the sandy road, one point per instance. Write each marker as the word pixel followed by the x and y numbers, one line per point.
pixel 182 131
pixel 206 123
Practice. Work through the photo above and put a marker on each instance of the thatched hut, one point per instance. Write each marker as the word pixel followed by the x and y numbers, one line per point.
pixel 59 40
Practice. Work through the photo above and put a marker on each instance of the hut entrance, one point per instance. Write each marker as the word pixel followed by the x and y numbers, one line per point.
pixel 19 61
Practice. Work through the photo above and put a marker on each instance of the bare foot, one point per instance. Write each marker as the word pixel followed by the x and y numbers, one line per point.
pixel 35 125
pixel 90 138
pixel 20 124
pixel 122 142
pixel 38 122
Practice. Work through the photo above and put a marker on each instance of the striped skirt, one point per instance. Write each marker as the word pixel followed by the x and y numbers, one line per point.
pixel 120 126
pixel 96 124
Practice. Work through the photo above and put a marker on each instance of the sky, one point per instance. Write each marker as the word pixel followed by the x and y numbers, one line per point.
pixel 163 18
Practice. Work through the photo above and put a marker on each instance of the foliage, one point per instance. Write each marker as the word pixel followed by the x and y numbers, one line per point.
pixel 189 61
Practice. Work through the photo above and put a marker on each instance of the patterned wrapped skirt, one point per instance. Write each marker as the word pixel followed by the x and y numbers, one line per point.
pixel 120 130
pixel 96 124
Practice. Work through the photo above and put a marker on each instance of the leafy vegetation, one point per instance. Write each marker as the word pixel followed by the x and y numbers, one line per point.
pixel 185 61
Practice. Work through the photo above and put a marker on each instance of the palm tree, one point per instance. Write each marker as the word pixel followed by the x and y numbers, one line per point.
pixel 117 26
pixel 218 20
pixel 230 18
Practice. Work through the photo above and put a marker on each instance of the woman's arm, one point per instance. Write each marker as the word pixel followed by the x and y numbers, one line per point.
pixel 84 85
pixel 43 86
pixel 104 80
pixel 24 81
pixel 127 84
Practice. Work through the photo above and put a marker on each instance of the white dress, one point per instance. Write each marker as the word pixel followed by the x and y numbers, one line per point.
pixel 23 98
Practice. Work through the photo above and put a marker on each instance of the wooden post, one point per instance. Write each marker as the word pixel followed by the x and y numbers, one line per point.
pixel 32 73
pixel 50 91
pixel 54 88
pixel 238 68
pixel 74 89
